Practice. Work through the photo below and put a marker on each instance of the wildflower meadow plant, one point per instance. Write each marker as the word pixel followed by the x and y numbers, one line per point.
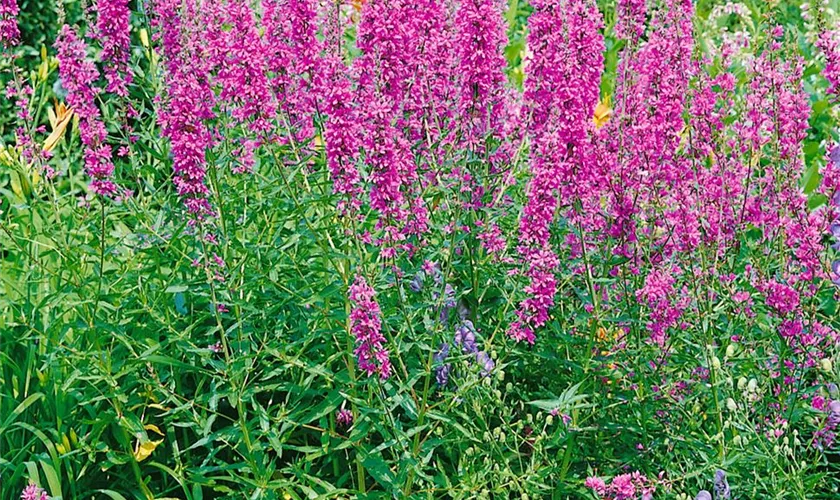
pixel 430 248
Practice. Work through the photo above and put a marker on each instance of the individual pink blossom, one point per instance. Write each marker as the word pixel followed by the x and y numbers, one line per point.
pixel 33 492
pixel 492 239
pixel 113 33
pixel 596 484
pixel 366 326
pixel 622 487
pixel 78 75
pixel 344 417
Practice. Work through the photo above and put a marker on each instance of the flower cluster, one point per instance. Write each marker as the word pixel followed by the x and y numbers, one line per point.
pixel 623 487
pixel 9 32
pixel 479 41
pixel 78 75
pixel 366 321
pixel 187 105
pixel 33 492
pixel 561 93
pixel 114 35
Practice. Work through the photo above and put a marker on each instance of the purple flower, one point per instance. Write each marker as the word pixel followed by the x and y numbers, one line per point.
pixel 834 230
pixel 486 362
pixel 344 417
pixel 416 283
pixel 366 325
pixel 721 485
pixel 835 155
pixel 113 32
pixel 703 495
pixel 442 354
pixel 33 492
pixel 442 372
pixel 465 337
pixel 835 269
pixel 9 33
pixel 448 301
pixel 78 74
pixel 448 296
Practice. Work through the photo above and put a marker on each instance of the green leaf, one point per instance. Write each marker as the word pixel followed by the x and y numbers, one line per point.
pixel 379 470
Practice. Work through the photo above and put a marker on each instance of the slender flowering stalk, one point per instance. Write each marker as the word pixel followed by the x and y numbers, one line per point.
pixel 235 52
pixel 78 74
pixel 429 103
pixel 479 41
pixel 561 92
pixel 829 44
pixel 295 61
pixel 366 326
pixel 341 133
pixel 188 103
pixel 9 32
pixel 113 32
pixel 384 38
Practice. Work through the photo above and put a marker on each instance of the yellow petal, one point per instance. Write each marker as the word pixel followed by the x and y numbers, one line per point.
pixel 602 112
pixel 58 131
pixel 153 428
pixel 143 450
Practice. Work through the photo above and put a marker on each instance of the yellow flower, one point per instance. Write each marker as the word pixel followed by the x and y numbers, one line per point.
pixel 59 119
pixel 603 112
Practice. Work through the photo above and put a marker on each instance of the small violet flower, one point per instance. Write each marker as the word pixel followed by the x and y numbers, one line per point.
pixel 721 485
